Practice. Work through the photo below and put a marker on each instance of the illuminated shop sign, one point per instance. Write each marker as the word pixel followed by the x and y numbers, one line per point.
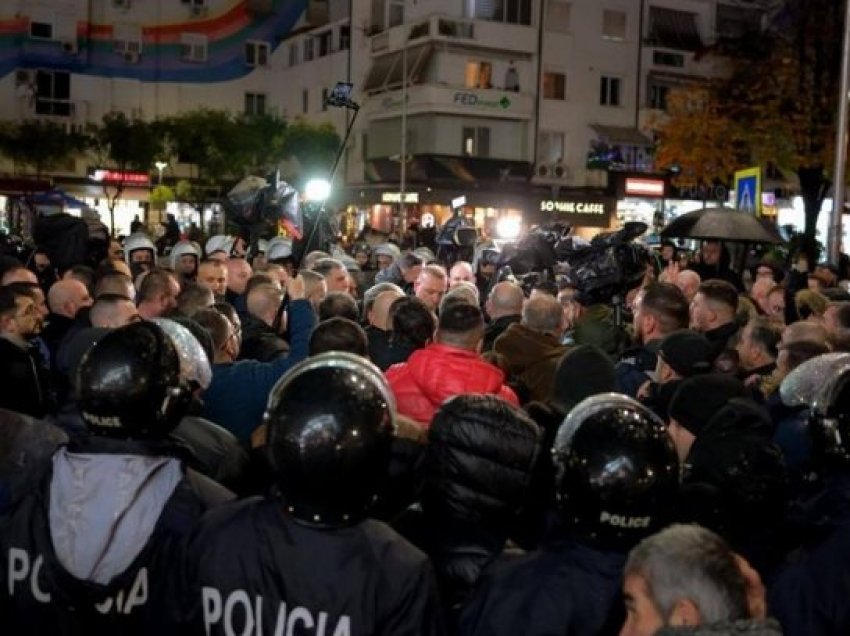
pixel 644 187
pixel 395 197
pixel 571 207
pixel 580 212
pixel 135 178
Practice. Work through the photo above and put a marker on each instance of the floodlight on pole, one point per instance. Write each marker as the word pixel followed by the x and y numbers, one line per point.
pixel 317 190
pixel 160 166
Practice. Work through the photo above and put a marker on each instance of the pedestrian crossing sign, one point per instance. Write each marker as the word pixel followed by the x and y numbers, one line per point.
pixel 748 190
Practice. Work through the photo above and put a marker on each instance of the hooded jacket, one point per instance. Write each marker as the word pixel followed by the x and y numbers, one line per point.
pixel 530 358
pixel 433 374
pixel 92 549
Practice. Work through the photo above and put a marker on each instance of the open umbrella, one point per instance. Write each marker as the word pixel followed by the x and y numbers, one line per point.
pixel 724 224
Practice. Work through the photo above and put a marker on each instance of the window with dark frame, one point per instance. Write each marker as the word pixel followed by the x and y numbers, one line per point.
pixel 609 91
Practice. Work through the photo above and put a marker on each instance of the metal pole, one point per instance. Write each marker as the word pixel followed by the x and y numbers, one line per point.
pixel 402 203
pixel 835 226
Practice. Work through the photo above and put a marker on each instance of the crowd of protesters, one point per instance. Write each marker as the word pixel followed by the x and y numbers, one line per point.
pixel 219 440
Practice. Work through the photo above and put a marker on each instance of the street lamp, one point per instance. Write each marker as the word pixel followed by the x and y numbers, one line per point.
pixel 160 166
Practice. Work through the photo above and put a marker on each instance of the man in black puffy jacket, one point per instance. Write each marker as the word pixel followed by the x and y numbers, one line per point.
pixel 478 467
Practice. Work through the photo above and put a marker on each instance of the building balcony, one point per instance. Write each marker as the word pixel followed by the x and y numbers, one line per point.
pixel 454 100
pixel 476 34
pixel 61 111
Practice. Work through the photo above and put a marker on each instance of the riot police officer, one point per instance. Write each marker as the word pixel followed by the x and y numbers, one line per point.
pixel 808 593
pixel 309 560
pixel 90 550
pixel 617 478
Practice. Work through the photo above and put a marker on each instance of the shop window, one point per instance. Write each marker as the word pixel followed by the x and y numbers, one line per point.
pixel 554 86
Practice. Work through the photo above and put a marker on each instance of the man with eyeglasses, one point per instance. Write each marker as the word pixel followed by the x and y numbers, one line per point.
pixel 24 380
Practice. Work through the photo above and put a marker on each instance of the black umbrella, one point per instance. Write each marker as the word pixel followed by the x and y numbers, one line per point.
pixel 723 224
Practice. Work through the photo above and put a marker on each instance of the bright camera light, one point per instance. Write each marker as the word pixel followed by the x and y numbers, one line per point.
pixel 508 227
pixel 317 190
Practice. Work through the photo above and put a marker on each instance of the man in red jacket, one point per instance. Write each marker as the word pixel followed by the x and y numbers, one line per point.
pixel 450 366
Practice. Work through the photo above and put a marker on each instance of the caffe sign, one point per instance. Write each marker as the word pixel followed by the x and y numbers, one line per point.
pixel 571 207
pixel 579 212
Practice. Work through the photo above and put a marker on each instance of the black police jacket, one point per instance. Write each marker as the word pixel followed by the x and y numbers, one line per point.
pixel 250 568
pixel 565 588
pixel 40 596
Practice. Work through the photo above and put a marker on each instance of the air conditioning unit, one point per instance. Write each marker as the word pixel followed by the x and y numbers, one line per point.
pixel 560 171
pixel 131 57
pixel 542 170
pixel 69 47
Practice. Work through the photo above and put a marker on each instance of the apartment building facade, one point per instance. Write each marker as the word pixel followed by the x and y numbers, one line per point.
pixel 526 107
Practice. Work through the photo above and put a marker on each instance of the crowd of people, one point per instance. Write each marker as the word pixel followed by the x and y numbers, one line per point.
pixel 220 440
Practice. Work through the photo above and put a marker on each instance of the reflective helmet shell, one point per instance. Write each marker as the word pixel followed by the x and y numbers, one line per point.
pixel 128 384
pixel 617 471
pixel 330 428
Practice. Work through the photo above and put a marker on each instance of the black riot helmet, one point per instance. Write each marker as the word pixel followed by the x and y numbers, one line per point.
pixel 617 471
pixel 129 384
pixel 331 422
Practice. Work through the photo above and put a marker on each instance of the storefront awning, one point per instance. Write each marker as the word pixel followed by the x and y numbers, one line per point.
pixel 443 168
pixel 387 70
pixel 674 29
pixel 621 135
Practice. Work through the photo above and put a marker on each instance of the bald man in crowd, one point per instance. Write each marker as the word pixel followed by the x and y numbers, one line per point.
pixel 116 283
pixel 111 311
pixel 65 299
pixel 158 294
pixel 504 308
pixel 461 272
pixel 212 274
pixel 379 328
pixel 260 325
pixel 238 273
pixel 316 288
